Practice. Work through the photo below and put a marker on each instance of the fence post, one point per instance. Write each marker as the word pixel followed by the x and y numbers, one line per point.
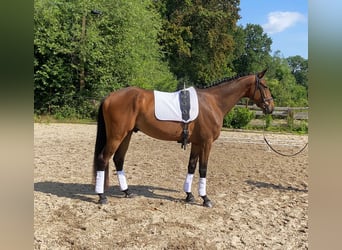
pixel 290 118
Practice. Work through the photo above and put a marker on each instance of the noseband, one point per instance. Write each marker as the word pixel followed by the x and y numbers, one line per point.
pixel 260 86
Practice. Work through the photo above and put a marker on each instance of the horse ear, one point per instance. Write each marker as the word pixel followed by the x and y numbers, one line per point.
pixel 262 73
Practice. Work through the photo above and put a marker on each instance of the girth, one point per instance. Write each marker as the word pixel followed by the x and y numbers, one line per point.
pixel 184 102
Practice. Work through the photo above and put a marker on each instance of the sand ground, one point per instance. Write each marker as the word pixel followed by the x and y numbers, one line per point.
pixel 260 198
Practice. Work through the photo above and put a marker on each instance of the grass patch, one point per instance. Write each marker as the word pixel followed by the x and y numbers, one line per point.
pixel 52 119
pixel 279 125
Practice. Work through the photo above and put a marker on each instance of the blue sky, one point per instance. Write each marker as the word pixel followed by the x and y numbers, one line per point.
pixel 284 21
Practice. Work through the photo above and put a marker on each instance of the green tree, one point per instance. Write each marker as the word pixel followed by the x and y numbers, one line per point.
pixel 256 53
pixel 53 77
pixel 81 54
pixel 299 68
pixel 285 90
pixel 197 37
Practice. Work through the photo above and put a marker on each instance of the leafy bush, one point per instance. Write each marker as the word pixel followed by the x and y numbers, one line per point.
pixel 227 119
pixel 79 56
pixel 66 112
pixel 238 118
pixel 268 119
pixel 302 128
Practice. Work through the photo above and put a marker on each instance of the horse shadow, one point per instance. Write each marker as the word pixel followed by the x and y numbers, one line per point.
pixel 260 184
pixel 82 192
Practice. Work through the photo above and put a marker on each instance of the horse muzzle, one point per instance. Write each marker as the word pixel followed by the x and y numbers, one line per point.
pixel 268 107
pixel 268 110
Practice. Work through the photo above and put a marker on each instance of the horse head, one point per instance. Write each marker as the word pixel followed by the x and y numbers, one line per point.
pixel 262 94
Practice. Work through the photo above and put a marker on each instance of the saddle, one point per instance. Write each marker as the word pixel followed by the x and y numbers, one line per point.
pixel 181 106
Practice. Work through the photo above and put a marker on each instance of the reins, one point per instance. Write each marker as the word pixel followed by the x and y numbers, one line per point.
pixel 258 86
pixel 276 151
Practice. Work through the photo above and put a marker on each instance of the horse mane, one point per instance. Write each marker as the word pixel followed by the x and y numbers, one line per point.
pixel 223 80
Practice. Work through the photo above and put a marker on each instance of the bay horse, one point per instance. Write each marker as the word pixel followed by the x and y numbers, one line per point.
pixel 131 109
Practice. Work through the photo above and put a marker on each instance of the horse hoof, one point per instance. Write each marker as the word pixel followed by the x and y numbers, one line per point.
pixel 208 204
pixel 102 201
pixel 206 201
pixel 128 194
pixel 190 198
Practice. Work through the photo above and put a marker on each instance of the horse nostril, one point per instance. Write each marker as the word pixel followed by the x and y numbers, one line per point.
pixel 267 109
pixel 270 110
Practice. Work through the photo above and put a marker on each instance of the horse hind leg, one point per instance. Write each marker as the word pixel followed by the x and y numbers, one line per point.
pixel 119 158
pixel 101 181
pixel 101 178
pixel 102 169
pixel 101 174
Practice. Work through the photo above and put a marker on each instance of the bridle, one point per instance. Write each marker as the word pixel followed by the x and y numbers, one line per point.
pixel 261 87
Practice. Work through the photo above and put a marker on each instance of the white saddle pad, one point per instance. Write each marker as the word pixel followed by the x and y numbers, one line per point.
pixel 167 107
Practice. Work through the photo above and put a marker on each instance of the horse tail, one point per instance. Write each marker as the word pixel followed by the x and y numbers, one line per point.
pixel 101 140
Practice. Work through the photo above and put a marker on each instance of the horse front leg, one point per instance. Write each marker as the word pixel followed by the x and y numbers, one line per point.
pixel 202 184
pixel 190 175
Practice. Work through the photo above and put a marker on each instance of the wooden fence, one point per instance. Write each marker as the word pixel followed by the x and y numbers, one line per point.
pixel 296 113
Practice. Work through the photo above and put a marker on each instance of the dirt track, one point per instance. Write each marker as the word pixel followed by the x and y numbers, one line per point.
pixel 260 198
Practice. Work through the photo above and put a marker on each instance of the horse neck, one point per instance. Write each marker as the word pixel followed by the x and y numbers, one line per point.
pixel 229 93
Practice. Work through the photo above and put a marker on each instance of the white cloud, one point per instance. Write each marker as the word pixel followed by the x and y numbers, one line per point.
pixel 279 21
